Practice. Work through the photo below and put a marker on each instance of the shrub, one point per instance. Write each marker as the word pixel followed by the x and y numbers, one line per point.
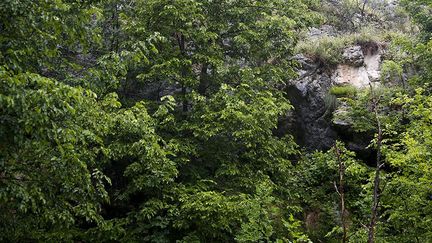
pixel 391 71
pixel 343 91
pixel 328 50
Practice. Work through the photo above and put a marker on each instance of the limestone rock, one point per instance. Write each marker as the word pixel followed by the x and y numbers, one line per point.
pixel 359 76
pixel 353 56
pixel 351 75
pixel 311 126
pixel 316 124
pixel 324 30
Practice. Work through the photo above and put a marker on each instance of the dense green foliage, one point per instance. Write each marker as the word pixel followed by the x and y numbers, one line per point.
pixel 156 120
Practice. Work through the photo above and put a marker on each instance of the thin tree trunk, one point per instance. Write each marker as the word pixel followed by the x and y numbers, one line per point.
pixel 363 10
pixel 115 28
pixel 182 45
pixel 341 192
pixel 204 82
pixel 376 191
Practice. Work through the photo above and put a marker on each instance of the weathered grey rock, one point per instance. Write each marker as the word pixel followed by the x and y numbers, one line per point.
pixel 324 30
pixel 311 125
pixel 306 64
pixel 354 74
pixel 316 124
pixel 353 56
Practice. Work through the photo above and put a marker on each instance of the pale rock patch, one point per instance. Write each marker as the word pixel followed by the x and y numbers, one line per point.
pixel 358 70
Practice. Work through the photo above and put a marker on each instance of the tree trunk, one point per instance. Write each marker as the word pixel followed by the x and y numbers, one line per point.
pixel 182 45
pixel 204 81
pixel 115 28
pixel 340 191
pixel 376 191
pixel 363 11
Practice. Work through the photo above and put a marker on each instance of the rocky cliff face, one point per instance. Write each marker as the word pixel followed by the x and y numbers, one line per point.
pixel 313 125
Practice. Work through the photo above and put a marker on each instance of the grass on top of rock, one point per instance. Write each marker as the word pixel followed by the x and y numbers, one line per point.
pixel 343 91
pixel 328 50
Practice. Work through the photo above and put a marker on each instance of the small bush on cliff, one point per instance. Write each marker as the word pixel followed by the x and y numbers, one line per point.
pixel 343 91
pixel 328 50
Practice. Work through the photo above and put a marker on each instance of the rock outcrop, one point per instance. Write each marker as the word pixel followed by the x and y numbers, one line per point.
pixel 313 125
pixel 361 66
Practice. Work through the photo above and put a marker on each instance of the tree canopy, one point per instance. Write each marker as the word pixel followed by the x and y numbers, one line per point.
pixel 159 121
